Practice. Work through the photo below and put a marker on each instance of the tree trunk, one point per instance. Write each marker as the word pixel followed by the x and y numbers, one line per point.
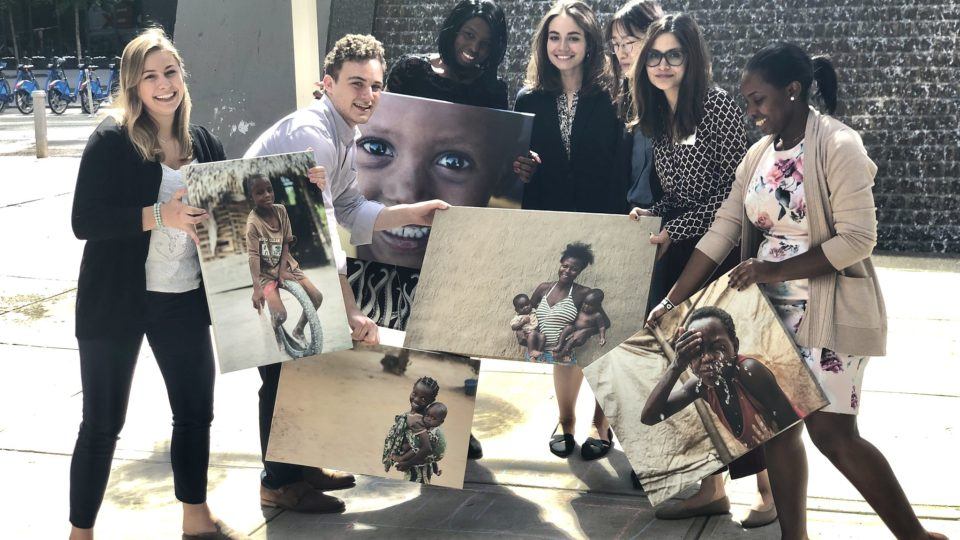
pixel 33 45
pixel 76 27
pixel 13 33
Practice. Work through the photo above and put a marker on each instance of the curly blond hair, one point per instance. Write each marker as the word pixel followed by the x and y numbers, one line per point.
pixel 352 48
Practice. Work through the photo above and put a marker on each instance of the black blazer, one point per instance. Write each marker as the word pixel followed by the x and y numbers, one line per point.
pixel 586 181
pixel 114 184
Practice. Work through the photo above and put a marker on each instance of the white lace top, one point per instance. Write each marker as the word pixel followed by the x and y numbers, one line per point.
pixel 173 265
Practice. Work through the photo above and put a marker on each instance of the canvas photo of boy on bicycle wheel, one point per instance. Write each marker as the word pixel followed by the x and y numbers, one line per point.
pixel 267 243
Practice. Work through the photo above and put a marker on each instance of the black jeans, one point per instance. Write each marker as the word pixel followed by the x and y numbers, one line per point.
pixel 275 475
pixel 180 339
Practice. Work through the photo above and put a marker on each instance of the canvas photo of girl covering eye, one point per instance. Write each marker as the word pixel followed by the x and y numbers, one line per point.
pixel 552 287
pixel 349 412
pixel 717 378
pixel 266 259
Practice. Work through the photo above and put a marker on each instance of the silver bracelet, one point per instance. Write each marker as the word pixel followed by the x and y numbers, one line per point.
pixel 157 215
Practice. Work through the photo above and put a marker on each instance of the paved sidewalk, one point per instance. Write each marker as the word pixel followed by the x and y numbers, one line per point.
pixel 518 490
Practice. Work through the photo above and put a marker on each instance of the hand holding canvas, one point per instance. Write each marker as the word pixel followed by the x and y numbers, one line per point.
pixel 662 241
pixel 318 176
pixel 178 215
pixel 525 166
pixel 752 271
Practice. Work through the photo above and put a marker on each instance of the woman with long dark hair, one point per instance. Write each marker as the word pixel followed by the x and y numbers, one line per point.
pixel 803 213
pixel 698 140
pixel 471 44
pixel 575 133
pixel 140 275
pixel 624 34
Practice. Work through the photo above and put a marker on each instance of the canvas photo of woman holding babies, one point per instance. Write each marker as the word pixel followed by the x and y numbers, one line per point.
pixel 552 287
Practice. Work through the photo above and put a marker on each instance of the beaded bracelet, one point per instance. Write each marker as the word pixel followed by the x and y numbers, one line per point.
pixel 667 304
pixel 157 215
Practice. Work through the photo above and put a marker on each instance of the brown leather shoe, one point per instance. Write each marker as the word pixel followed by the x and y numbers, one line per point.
pixel 328 480
pixel 300 497
pixel 223 532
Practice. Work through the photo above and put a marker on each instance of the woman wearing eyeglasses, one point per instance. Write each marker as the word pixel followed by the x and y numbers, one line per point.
pixel 698 141
pixel 624 34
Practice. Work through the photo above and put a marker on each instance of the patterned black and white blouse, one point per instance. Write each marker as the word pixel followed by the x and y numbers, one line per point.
pixel 696 178
pixel 566 116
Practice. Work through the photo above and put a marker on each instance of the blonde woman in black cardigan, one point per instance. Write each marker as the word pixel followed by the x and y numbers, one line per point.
pixel 140 275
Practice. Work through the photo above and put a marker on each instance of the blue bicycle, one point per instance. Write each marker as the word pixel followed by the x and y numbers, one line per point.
pixel 6 96
pixel 26 83
pixel 99 91
pixel 59 92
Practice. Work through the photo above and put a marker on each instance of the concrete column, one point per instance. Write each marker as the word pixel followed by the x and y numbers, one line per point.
pixel 40 121
pixel 250 62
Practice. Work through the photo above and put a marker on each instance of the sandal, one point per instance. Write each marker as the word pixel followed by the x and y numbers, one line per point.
pixel 592 449
pixel 562 445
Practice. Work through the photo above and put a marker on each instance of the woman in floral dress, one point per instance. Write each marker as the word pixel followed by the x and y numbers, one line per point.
pixel 803 194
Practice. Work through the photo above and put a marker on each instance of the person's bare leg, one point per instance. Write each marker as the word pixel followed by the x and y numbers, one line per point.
pixel 838 438
pixel 566 383
pixel 787 464
pixel 764 500
pixel 81 534
pixel 197 519
pixel 316 297
pixel 601 423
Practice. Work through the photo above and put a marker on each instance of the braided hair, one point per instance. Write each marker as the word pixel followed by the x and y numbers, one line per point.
pixel 431 384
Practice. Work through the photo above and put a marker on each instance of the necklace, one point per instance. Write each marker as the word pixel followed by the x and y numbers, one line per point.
pixel 793 142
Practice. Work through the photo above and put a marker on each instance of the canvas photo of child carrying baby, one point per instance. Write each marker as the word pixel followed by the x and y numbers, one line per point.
pixel 347 411
pixel 267 260
pixel 551 287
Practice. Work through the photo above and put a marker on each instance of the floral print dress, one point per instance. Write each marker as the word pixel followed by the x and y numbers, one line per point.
pixel 776 205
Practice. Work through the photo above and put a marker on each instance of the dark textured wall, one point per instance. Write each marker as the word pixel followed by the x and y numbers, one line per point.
pixel 899 74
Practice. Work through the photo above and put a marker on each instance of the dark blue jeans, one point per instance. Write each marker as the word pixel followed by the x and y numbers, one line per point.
pixel 180 340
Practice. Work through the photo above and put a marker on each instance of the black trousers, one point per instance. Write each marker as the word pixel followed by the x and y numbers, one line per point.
pixel 179 336
pixel 275 475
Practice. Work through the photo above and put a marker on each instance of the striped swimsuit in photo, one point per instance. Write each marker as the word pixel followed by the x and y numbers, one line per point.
pixel 554 318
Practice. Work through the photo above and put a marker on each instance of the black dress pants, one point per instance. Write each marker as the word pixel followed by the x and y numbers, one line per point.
pixel 179 336
pixel 275 475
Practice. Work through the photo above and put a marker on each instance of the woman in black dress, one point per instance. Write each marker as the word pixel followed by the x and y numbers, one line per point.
pixel 575 133
pixel 471 43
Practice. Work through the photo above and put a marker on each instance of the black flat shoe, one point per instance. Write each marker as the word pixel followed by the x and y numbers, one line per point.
pixel 474 450
pixel 592 449
pixel 562 445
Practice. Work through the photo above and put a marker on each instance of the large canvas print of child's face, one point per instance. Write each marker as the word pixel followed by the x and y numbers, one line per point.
pixel 267 261
pixel 718 377
pixel 368 412
pixel 416 149
pixel 550 287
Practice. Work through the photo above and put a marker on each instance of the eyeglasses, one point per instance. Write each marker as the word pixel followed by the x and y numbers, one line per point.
pixel 626 46
pixel 674 57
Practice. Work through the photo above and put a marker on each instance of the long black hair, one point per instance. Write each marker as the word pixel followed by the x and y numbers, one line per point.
pixel 782 63
pixel 492 14
pixel 653 112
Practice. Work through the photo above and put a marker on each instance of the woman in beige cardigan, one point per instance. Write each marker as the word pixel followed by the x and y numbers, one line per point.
pixel 802 209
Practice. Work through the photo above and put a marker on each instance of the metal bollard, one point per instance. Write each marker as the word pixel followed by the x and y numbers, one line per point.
pixel 40 121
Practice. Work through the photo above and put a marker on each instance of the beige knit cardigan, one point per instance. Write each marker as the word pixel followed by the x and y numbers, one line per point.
pixel 845 312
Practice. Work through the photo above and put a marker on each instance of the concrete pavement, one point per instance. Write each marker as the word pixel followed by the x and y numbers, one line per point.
pixel 517 490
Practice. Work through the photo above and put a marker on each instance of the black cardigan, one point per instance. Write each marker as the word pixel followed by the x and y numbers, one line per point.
pixel 586 181
pixel 114 184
